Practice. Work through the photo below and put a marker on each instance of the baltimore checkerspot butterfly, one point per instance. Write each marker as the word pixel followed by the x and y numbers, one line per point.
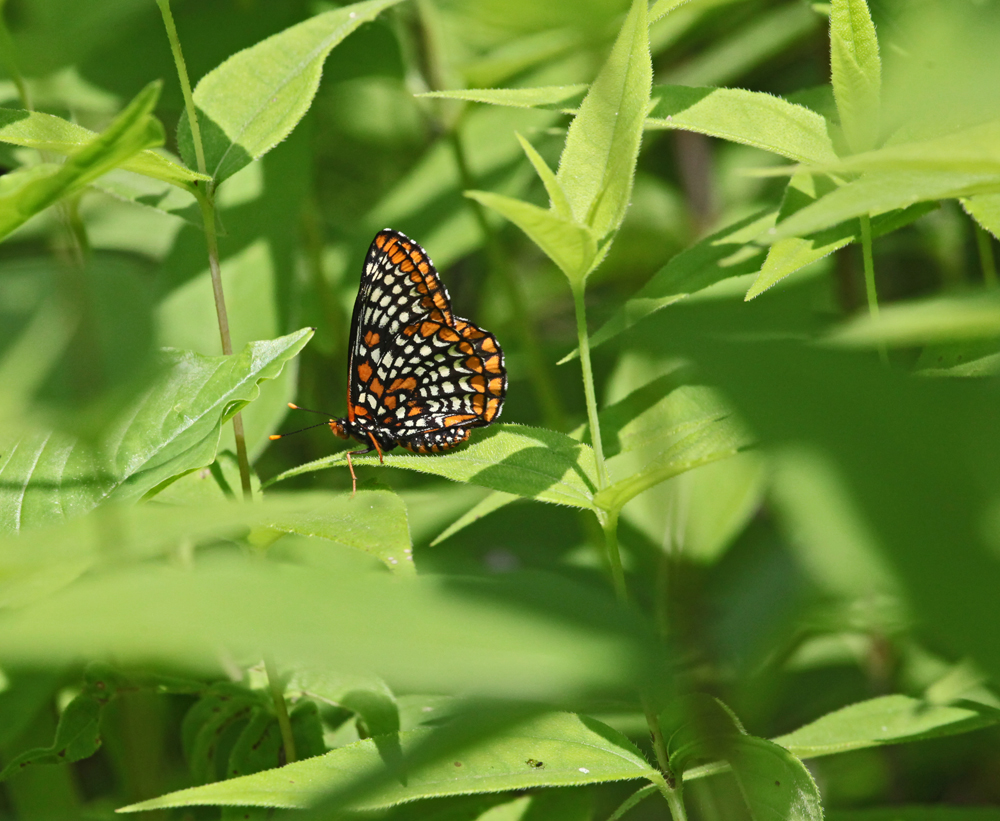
pixel 418 376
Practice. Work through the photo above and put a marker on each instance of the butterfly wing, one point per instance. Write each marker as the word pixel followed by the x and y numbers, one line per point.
pixel 421 375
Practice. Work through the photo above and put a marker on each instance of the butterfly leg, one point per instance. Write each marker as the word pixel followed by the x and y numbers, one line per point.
pixel 374 446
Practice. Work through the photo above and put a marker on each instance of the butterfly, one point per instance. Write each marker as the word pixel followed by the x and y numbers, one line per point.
pixel 418 376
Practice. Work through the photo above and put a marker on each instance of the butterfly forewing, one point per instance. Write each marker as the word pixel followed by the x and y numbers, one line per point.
pixel 419 376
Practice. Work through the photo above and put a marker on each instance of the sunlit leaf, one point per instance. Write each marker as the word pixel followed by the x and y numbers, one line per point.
pixel 252 101
pixel 856 72
pixel 516 97
pixel 748 117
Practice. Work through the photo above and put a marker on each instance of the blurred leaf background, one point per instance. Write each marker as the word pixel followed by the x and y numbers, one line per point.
pixel 805 492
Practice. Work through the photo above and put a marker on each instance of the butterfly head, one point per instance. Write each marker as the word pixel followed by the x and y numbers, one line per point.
pixel 337 426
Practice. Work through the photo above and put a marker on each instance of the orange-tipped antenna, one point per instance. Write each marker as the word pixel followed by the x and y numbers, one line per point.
pixel 293 406
pixel 274 436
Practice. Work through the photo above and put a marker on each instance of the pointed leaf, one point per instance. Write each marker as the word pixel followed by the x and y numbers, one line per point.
pixel 984 209
pixel 856 72
pixel 885 720
pixel 532 462
pixel 775 784
pixel 46 132
pixel 173 428
pixel 877 193
pixel 748 117
pixel 252 101
pixel 598 163
pixel 516 97
pixel 727 253
pixel 557 197
pixel 572 247
pixel 553 750
pixel 129 133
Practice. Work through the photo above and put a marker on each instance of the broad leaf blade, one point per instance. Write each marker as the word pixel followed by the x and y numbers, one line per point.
pixel 598 163
pixel 856 72
pixel 252 101
pixel 531 462
pixel 34 129
pixel 519 636
pixel 775 784
pixel 130 132
pixel 554 750
pixel 885 720
pixel 748 117
pixel 173 428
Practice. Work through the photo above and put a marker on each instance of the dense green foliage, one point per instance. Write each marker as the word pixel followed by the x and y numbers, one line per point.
pixel 732 550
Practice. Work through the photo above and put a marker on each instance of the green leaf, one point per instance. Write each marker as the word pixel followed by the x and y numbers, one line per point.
pixel 370 520
pixel 221 707
pixel 892 719
pixel 557 197
pixel 775 784
pixel 553 750
pixel 572 247
pixel 748 117
pixel 789 255
pixel 33 129
pixel 520 636
pixel 173 428
pixel 515 97
pixel 252 101
pixel 724 254
pixel 369 697
pixel 930 812
pixel 877 193
pixel 984 209
pixel 633 800
pixel 856 72
pixel 598 163
pixel 926 321
pixel 42 560
pixel 531 462
pixel 130 132
pixel 78 735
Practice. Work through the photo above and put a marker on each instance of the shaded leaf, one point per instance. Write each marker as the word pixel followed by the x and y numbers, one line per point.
pixel 46 132
pixel 130 132
pixel 553 750
pixel 532 462
pixel 516 97
pixel 173 428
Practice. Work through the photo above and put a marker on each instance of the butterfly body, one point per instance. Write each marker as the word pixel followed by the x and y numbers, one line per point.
pixel 419 377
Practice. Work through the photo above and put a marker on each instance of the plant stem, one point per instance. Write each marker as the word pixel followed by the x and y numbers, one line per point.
pixel 610 525
pixel 206 201
pixel 182 74
pixel 284 723
pixel 10 62
pixel 583 341
pixel 866 248
pixel 541 379
pixel 675 800
pixel 985 243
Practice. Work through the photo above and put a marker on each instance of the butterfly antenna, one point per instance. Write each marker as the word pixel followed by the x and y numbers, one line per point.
pixel 274 436
pixel 293 406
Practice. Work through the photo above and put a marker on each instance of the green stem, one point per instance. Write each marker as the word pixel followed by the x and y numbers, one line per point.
pixel 182 74
pixel 284 723
pixel 675 800
pixel 206 200
pixel 583 341
pixel 541 379
pixel 866 248
pixel 7 55
pixel 610 525
pixel 985 243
